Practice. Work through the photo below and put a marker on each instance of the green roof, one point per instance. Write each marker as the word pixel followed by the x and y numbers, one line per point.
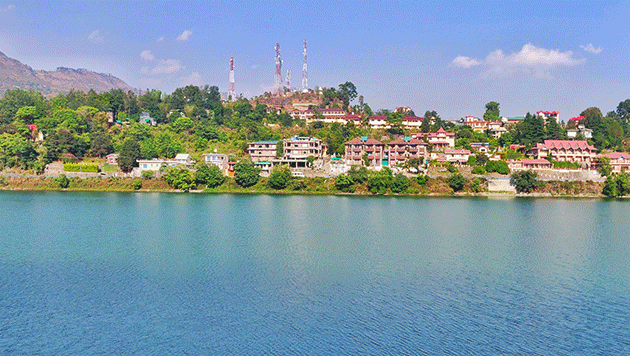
pixel 515 118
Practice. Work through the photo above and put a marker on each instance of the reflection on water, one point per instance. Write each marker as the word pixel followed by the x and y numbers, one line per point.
pixel 225 274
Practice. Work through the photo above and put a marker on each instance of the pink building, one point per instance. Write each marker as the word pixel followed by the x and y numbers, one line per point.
pixel 439 139
pixel 403 149
pixel 357 147
pixel 566 151
pixel 618 160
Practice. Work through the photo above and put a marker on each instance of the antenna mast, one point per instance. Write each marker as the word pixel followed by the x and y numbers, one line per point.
pixel 304 71
pixel 231 91
pixel 288 79
pixel 278 78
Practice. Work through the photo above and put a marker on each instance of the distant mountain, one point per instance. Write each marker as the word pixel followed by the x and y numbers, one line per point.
pixel 15 75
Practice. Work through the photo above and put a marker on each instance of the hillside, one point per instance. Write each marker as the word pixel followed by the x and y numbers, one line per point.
pixel 16 75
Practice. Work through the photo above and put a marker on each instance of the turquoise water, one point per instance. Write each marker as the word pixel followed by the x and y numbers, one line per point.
pixel 125 273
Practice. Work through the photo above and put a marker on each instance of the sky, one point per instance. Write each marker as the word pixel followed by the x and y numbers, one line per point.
pixel 449 56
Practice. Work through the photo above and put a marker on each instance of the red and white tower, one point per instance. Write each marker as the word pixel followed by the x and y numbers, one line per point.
pixel 278 77
pixel 231 91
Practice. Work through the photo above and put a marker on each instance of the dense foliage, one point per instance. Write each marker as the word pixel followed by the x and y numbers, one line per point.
pixel 524 181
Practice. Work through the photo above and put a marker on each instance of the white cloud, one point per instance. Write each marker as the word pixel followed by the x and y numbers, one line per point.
pixel 160 39
pixel 590 48
pixel 185 35
pixel 146 55
pixel 96 37
pixel 465 62
pixel 529 59
pixel 7 8
pixel 168 66
pixel 193 79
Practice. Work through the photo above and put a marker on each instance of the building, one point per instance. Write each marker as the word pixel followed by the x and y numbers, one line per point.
pixel 479 125
pixel 378 122
pixel 525 164
pixel 265 168
pixel 328 115
pixel 145 118
pixel 412 122
pixel 217 159
pixel 580 129
pixel 184 159
pixel 298 148
pixel 112 158
pixel 566 151
pixel 404 149
pixel 357 147
pixel 454 156
pixel 618 160
pixel 546 115
pixel 439 139
pixel 154 164
pixel 262 150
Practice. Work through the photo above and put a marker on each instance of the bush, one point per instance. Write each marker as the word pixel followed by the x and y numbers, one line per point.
pixel 180 178
pixel 471 160
pixel 344 183
pixel 616 185
pixel 63 181
pixel 246 174
pixel 209 175
pixel 500 167
pixel 524 181
pixel 476 185
pixel 422 179
pixel 359 175
pixel 451 168
pixel 147 174
pixel 400 183
pixel 379 182
pixel 456 182
pixel 75 167
pixel 297 184
pixel 478 170
pixel 136 184
pixel 280 177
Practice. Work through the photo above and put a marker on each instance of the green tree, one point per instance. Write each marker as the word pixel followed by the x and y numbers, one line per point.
pixel 554 131
pixel 129 153
pixel 344 183
pixel 456 182
pixel 500 167
pixel 279 148
pixel 492 111
pixel 246 174
pixel 14 99
pixel 380 181
pixel 610 187
pixel 347 93
pixel 524 181
pixel 280 177
pixel 179 178
pixel 358 175
pixel 426 122
pixel 623 184
pixel 63 181
pixel 136 184
pixel 400 183
pixel 101 145
pixel 422 179
pixel 478 170
pixel 604 168
pixel 209 175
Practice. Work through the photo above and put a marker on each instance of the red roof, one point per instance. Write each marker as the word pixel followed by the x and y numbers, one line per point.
pixel 549 144
pixel 449 151
pixel 32 127
pixel 412 118
pixel 378 117
pixel 552 113
pixel 617 155
pixel 535 161
pixel 413 141
pixel 577 118
pixel 369 141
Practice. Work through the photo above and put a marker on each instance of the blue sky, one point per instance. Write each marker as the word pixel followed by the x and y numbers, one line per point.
pixel 448 56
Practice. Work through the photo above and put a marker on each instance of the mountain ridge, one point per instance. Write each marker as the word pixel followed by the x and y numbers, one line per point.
pixel 17 75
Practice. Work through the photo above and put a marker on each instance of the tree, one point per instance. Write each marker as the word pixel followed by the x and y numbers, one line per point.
pixel 400 183
pixel 500 167
pixel 554 131
pixel 426 122
pixel 101 145
pixel 129 153
pixel 604 168
pixel 623 184
pixel 209 175
pixel 246 174
pixel 380 181
pixel 492 111
pixel 524 181
pixel 14 99
pixel 347 92
pixel 481 159
pixel 610 187
pixel 179 178
pixel 63 181
pixel 344 183
pixel 478 170
pixel 280 177
pixel 358 175
pixel 456 182
pixel 279 148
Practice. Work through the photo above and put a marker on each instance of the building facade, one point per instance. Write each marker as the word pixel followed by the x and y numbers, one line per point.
pixel 566 151
pixel 439 139
pixel 357 147
pixel 403 149
pixel 302 147
pixel 262 150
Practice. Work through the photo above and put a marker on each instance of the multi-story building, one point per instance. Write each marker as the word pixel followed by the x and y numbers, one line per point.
pixel 302 147
pixel 328 115
pixel 546 115
pixel 566 151
pixel 412 122
pixel 618 160
pixel 404 149
pixel 439 139
pixel 357 147
pixel 217 159
pixel 378 122
pixel 262 150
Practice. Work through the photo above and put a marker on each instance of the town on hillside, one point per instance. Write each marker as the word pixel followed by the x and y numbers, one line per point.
pixel 311 133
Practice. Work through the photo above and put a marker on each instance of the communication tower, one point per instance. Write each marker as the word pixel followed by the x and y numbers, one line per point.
pixel 231 91
pixel 304 72
pixel 278 78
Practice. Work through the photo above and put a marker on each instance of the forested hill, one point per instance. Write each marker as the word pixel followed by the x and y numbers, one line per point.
pixel 16 75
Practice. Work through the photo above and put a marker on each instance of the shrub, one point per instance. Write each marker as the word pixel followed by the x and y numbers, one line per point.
pixel 246 174
pixel 616 185
pixel 344 183
pixel 500 167
pixel 297 184
pixel 147 174
pixel 524 181
pixel 456 182
pixel 476 185
pixel 451 168
pixel 478 170
pixel 280 177
pixel 209 175
pixel 379 181
pixel 75 167
pixel 63 181
pixel 400 183
pixel 180 178
pixel 471 160
pixel 136 184
pixel 422 179
pixel 359 175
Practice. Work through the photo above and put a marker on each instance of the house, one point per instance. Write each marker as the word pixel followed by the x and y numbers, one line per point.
pixel 302 147
pixel 546 115
pixel 481 147
pixel 145 118
pixel 230 169
pixel 262 150
pixel 328 115
pixel 412 122
pixel 439 139
pixel 217 159
pixel 378 122
pixel 566 151
pixel 112 158
pixel 618 160
pixel 454 156
pixel 525 164
pixel 184 159
pixel 403 149
pixel 265 168
pixel 512 120
pixel 357 147
pixel 572 133
pixel 154 164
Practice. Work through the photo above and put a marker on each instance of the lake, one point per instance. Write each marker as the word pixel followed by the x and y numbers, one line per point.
pixel 155 273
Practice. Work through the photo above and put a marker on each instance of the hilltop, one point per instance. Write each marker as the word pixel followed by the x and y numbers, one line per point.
pixel 16 75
